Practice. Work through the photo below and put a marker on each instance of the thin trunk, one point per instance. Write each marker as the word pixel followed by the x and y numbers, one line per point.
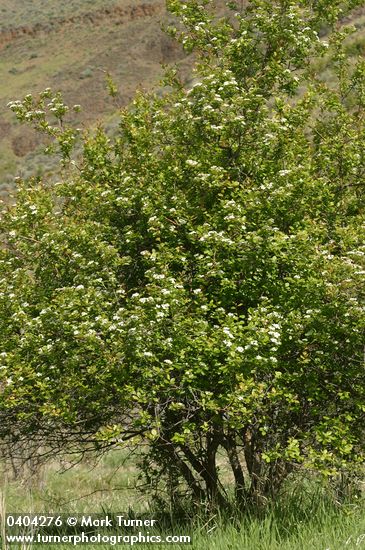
pixel 254 467
pixel 189 478
pixel 198 492
pixel 208 470
pixel 234 461
pixel 211 478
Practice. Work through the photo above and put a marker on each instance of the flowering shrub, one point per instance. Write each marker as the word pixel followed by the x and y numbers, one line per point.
pixel 197 281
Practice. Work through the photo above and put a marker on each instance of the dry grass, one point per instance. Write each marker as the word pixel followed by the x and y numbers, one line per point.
pixel 28 12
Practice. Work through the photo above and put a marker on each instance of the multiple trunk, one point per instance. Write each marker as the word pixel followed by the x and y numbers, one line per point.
pixel 197 469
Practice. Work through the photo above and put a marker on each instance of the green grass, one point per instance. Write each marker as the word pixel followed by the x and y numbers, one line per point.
pixel 305 517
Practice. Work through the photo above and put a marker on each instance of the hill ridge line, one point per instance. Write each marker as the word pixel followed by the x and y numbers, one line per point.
pixel 120 15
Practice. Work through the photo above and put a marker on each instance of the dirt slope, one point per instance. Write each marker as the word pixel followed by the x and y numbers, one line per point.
pixel 72 51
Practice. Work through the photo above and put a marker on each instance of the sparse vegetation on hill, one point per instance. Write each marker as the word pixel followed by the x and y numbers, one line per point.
pixel 33 12
pixel 71 47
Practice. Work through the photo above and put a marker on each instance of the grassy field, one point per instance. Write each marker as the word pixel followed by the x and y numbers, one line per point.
pixel 305 518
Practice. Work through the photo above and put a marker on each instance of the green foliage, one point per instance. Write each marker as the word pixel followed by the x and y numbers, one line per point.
pixel 40 114
pixel 197 282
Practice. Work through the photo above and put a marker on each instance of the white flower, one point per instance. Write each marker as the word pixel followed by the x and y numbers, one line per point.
pixel 240 349
pixel 227 332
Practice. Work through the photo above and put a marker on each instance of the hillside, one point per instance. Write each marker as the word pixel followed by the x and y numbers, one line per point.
pixel 70 47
